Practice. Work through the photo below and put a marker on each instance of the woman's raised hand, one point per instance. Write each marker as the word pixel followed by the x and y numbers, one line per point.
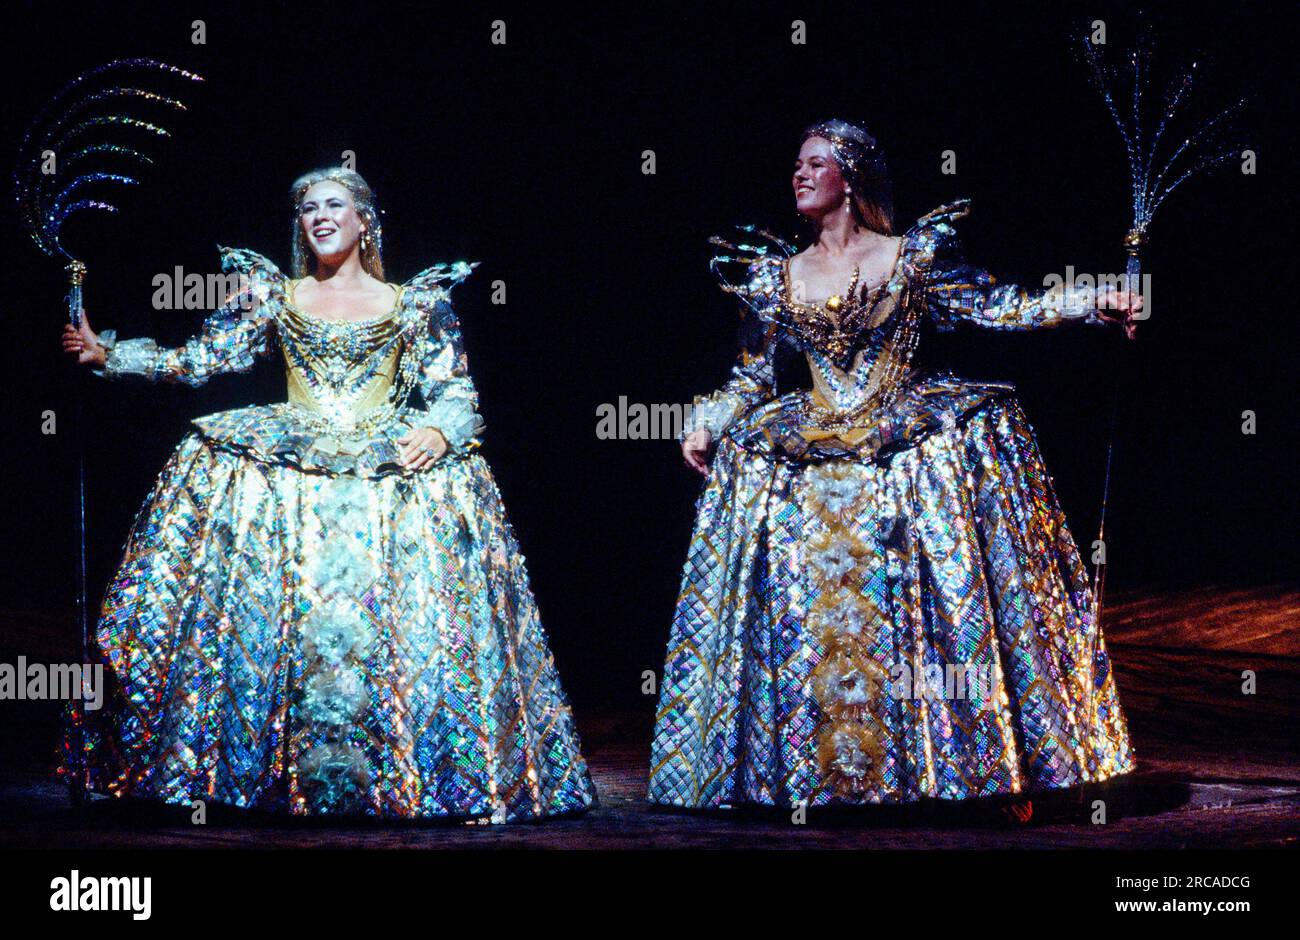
pixel 83 343
pixel 1127 303
pixel 695 450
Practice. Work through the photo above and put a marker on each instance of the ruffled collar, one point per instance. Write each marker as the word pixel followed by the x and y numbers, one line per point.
pixel 273 288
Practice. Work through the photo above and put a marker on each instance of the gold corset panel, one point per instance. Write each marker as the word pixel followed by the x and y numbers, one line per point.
pixel 342 370
pixel 859 346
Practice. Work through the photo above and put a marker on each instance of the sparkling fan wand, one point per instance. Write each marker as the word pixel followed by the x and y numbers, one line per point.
pixel 1154 173
pixel 55 178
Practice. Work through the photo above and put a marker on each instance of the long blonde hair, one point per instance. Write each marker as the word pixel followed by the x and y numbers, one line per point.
pixel 372 247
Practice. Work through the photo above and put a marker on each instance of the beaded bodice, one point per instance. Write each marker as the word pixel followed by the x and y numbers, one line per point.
pixel 356 388
pixel 859 345
pixel 344 370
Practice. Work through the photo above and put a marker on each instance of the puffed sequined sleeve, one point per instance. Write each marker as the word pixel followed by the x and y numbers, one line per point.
pixel 233 337
pixel 232 340
pixel 958 292
pixel 449 397
pixel 752 381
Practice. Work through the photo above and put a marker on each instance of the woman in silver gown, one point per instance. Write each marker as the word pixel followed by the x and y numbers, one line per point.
pixel 322 607
pixel 881 600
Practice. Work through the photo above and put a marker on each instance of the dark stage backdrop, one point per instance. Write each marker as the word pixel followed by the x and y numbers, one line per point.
pixel 528 158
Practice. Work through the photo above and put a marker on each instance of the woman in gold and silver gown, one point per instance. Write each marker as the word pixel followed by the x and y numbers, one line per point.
pixel 881 600
pixel 322 607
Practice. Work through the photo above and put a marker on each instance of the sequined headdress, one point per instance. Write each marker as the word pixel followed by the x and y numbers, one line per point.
pixel 372 240
pixel 862 161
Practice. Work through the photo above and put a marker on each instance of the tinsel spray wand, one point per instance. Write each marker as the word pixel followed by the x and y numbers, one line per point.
pixel 1154 173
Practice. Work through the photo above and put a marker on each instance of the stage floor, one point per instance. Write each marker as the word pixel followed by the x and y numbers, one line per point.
pixel 1217 769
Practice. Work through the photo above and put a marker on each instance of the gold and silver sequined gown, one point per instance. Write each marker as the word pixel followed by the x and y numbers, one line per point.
pixel 881 600
pixel 301 625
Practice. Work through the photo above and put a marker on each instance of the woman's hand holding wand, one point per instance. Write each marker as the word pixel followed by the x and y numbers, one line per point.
pixel 1125 302
pixel 84 343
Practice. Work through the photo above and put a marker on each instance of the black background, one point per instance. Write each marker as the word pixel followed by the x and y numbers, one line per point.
pixel 527 157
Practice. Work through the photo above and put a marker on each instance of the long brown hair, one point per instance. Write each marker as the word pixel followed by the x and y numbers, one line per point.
pixel 862 162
